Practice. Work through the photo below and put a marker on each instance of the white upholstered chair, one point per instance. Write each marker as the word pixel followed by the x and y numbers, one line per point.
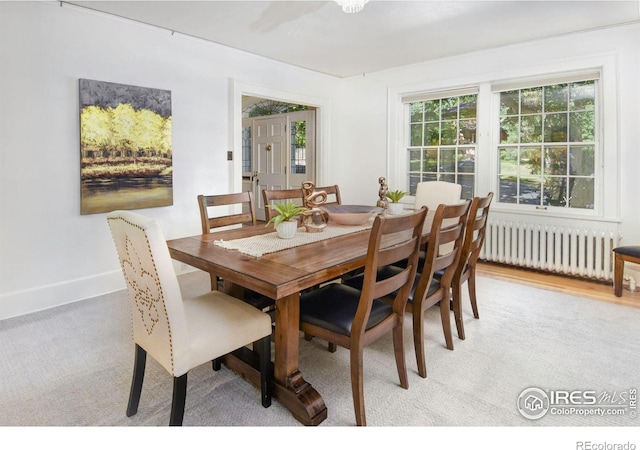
pixel 434 193
pixel 178 333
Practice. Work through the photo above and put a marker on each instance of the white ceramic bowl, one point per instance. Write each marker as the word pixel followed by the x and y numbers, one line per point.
pixel 351 214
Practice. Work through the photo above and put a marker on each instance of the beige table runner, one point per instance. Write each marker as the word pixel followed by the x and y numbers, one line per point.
pixel 270 242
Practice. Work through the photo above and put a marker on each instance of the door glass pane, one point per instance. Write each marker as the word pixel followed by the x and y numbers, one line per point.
pixel 246 149
pixel 299 147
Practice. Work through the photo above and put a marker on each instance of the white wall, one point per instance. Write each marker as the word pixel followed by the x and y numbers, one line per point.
pixel 49 253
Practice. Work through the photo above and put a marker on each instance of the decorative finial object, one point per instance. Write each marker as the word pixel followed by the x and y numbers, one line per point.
pixel 382 193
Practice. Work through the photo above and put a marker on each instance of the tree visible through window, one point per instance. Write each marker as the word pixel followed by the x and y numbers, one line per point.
pixel 442 142
pixel 548 145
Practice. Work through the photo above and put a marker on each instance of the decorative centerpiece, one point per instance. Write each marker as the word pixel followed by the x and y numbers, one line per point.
pixel 285 223
pixel 395 207
pixel 313 219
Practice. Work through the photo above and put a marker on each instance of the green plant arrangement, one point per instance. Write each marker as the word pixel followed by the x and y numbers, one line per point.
pixel 395 196
pixel 286 211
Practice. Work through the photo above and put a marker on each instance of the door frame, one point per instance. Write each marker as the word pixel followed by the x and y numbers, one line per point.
pixel 238 89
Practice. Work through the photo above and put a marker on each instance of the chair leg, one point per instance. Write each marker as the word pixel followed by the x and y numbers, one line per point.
pixel 472 292
pixel 457 309
pixel 418 340
pixel 357 387
pixel 178 401
pixel 332 347
pixel 140 361
pixel 398 350
pixel 446 323
pixel 265 370
pixel 618 272
pixel 216 364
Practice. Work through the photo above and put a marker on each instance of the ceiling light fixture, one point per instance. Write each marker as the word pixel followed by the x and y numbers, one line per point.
pixel 351 6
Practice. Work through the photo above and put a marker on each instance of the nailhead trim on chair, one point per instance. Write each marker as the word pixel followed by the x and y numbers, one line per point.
pixel 145 297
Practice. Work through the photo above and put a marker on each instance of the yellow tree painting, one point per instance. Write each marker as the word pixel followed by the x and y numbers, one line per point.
pixel 125 147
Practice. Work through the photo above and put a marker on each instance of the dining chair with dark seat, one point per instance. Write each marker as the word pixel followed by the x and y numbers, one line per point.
pixel 353 318
pixel 210 222
pixel 214 214
pixel 333 194
pixel 179 333
pixel 474 235
pixel 625 253
pixel 427 290
pixel 271 196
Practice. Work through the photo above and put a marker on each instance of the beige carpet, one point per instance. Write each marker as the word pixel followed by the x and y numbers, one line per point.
pixel 71 365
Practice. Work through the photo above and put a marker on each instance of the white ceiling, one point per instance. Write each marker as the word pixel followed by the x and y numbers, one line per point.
pixel 317 35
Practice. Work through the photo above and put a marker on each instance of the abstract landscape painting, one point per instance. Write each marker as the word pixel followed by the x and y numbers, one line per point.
pixel 125 147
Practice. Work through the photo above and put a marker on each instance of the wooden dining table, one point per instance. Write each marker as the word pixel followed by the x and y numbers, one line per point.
pixel 281 276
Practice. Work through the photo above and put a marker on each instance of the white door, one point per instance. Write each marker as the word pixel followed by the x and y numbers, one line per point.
pixel 283 153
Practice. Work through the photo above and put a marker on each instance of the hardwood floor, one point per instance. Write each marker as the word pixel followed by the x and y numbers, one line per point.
pixel 601 291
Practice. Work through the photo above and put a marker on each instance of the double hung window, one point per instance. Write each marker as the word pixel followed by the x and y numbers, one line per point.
pixel 442 140
pixel 547 145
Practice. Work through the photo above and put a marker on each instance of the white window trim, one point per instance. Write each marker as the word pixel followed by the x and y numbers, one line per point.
pixel 607 183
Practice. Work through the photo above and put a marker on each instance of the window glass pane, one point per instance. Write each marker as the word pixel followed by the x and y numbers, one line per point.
pixel 555 127
pixel 509 130
pixel 432 110
pixel 530 188
pixel 449 178
pixel 414 179
pixel 509 102
pixel 508 187
pixel 582 160
pixel 429 177
pixel 582 192
pixel 582 126
pixel 432 133
pixel 468 106
pixel 467 182
pixel 430 161
pixel 467 132
pixel 530 161
pixel 449 132
pixel 414 160
pixel 449 108
pixel 416 111
pixel 509 161
pixel 416 135
pixel 531 129
pixel 448 160
pixel 582 96
pixel 531 101
pixel 555 98
pixel 555 191
pixel 555 161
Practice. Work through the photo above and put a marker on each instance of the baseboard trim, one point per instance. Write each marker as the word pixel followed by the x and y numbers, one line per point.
pixel 28 301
